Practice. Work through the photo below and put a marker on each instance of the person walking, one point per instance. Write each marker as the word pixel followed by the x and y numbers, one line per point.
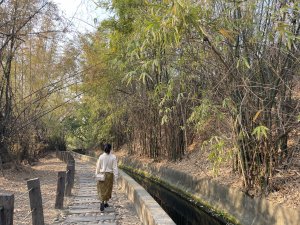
pixel 107 164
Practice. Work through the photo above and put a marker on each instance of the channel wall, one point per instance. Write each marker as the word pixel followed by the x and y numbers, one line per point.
pixel 228 201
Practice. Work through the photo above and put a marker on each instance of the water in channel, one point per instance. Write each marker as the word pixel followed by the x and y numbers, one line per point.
pixel 181 210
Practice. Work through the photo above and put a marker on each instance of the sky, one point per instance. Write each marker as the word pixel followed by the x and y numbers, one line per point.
pixel 82 13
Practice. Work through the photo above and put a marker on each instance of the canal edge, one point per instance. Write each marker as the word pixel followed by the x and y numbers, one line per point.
pixel 230 203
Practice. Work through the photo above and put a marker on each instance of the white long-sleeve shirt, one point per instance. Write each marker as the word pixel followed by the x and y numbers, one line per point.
pixel 107 162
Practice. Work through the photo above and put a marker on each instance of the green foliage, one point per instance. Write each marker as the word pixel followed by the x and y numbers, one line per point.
pixel 203 114
pixel 57 143
pixel 230 106
pixel 167 71
pixel 219 152
pixel 91 124
pixel 260 132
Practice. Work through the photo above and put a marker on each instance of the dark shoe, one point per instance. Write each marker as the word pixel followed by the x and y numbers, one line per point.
pixel 102 207
pixel 106 205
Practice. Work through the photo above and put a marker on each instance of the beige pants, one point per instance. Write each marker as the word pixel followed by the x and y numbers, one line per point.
pixel 104 188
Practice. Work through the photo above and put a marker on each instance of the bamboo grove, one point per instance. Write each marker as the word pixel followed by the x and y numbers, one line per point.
pixel 34 74
pixel 169 71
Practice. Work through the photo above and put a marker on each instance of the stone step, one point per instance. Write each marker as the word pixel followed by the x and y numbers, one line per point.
pixel 81 206
pixel 85 195
pixel 87 184
pixel 86 200
pixel 86 187
pixel 91 210
pixel 72 219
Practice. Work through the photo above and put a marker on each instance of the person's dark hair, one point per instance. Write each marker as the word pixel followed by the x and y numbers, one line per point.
pixel 107 148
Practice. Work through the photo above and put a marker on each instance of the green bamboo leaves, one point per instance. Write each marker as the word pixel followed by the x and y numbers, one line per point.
pixel 205 68
pixel 260 132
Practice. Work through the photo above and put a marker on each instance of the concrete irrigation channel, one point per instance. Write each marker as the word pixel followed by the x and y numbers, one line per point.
pixel 160 205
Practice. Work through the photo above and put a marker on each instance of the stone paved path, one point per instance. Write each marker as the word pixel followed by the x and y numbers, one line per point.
pixel 84 206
